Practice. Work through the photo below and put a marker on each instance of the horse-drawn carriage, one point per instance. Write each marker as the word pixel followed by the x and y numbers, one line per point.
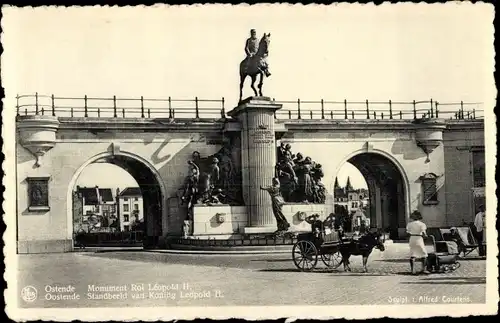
pixel 312 245
pixel 333 247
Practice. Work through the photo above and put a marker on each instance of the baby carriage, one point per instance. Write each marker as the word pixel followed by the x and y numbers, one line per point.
pixel 442 256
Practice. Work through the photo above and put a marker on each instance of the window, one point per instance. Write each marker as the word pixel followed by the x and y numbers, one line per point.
pixel 125 199
pixel 97 208
pixel 126 208
pixel 136 199
pixel 125 218
pixel 126 228
pixel 429 189
pixel 38 193
pixel 478 168
pixel 136 207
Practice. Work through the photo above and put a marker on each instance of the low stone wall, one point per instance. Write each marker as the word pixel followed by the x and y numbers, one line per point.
pixel 225 220
pixel 218 219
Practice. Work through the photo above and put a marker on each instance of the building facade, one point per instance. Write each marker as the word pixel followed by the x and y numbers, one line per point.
pixel 130 209
pixel 350 198
pixel 433 164
pixel 94 209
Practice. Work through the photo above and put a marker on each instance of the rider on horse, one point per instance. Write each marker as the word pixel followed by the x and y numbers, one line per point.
pixel 251 48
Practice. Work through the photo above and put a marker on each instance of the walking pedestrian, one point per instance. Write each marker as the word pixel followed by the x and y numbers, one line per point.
pixel 417 231
pixel 479 224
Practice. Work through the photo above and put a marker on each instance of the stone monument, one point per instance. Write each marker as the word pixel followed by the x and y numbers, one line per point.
pixel 258 155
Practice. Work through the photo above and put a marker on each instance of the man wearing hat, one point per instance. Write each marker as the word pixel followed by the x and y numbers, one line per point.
pixel 251 48
pixel 417 231
pixel 252 44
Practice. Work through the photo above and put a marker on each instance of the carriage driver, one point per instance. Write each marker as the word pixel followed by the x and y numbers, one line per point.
pixel 252 47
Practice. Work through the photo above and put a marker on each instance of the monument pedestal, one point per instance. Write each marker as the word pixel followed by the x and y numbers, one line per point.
pixel 258 230
pixel 258 160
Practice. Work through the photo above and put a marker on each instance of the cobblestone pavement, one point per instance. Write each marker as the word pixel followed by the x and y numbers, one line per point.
pixel 207 280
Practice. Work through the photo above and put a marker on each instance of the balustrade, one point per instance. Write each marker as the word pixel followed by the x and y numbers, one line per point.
pixel 203 109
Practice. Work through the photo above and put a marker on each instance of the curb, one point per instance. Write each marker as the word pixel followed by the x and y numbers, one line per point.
pixel 220 252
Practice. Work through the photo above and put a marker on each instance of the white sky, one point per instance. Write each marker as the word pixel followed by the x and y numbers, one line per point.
pixel 116 177
pixel 354 52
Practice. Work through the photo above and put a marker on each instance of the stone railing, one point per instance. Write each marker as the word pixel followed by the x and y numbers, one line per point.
pixel 204 109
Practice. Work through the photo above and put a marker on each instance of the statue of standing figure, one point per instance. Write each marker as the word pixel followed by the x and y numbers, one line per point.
pixel 190 193
pixel 277 205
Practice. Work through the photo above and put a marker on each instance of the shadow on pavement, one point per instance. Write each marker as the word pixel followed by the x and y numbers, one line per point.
pixel 271 260
pixel 362 274
pixel 457 278
pixel 395 260
pixel 449 281
pixel 472 258
pixel 295 270
pixel 324 271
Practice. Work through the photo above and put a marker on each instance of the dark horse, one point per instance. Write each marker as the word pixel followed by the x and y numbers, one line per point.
pixel 255 65
pixel 361 247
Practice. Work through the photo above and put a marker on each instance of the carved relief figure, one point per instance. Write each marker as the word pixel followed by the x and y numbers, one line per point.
pixel 190 193
pixel 226 169
pixel 215 180
pixel 300 177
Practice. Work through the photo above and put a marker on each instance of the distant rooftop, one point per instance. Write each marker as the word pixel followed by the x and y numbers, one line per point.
pixel 90 194
pixel 131 191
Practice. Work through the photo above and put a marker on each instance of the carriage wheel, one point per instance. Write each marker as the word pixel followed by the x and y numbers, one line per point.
pixel 332 260
pixel 305 255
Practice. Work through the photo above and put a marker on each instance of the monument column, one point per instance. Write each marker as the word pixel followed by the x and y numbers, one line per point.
pixel 258 159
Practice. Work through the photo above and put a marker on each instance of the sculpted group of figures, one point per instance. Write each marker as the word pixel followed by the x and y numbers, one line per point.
pixel 210 181
pixel 300 178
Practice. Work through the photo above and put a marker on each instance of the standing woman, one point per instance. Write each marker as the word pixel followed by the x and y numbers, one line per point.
pixel 417 231
pixel 277 204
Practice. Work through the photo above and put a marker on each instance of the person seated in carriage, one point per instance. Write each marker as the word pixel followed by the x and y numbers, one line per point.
pixel 317 226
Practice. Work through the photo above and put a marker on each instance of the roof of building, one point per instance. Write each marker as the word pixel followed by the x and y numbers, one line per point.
pixel 106 194
pixel 131 191
pixel 91 197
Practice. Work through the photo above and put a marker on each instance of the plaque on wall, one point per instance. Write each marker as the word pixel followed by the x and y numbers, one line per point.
pixel 262 136
pixel 38 193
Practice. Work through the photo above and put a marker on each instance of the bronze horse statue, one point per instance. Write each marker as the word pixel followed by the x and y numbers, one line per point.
pixel 255 65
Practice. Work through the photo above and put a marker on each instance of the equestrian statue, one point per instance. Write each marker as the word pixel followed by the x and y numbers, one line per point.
pixel 255 64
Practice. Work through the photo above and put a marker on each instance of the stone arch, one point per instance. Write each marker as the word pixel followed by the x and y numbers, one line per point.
pixel 392 161
pixel 154 172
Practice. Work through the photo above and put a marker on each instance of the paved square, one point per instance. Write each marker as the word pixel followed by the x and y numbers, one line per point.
pixel 139 278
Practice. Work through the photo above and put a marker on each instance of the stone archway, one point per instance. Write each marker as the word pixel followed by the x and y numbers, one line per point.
pixel 388 190
pixel 150 183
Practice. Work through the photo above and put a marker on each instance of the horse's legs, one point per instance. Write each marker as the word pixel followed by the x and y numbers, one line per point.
pixel 261 81
pixel 345 260
pixel 365 261
pixel 242 81
pixel 254 77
